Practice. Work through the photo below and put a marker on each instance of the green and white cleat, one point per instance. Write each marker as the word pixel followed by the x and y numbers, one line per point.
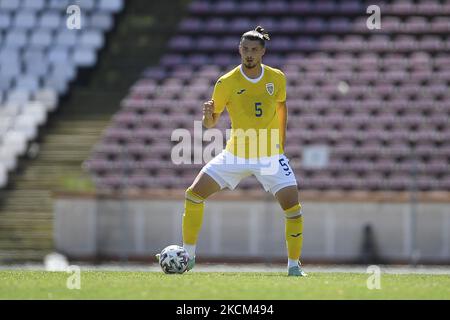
pixel 191 264
pixel 157 256
pixel 296 271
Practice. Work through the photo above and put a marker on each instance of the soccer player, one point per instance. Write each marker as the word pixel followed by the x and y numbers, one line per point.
pixel 255 97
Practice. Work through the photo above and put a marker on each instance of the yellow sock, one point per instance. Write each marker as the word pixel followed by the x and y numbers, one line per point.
pixel 294 232
pixel 192 217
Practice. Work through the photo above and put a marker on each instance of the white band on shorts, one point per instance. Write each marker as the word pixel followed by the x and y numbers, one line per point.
pixel 280 186
pixel 215 176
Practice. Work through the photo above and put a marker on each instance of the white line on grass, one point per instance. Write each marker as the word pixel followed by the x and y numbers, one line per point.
pixel 210 267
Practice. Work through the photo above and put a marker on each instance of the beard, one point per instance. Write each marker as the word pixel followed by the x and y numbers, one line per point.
pixel 250 65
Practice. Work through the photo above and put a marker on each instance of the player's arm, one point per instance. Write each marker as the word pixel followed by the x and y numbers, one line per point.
pixel 282 109
pixel 282 118
pixel 212 109
pixel 209 117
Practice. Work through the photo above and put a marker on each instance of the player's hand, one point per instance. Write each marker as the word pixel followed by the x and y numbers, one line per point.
pixel 208 109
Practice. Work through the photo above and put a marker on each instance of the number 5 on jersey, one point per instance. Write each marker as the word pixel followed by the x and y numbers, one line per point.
pixel 258 110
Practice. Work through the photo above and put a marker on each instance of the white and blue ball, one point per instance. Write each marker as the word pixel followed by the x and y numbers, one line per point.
pixel 174 259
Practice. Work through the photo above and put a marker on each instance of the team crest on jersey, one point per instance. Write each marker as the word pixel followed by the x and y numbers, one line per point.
pixel 270 88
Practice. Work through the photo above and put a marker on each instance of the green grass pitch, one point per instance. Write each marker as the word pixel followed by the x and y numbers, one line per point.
pixel 216 285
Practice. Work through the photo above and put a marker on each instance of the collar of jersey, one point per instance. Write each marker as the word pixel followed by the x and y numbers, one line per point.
pixel 250 79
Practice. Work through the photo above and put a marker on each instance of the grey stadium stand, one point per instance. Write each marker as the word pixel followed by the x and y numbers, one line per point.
pixel 39 57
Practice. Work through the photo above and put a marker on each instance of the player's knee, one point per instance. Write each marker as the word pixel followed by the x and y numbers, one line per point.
pixel 294 212
pixel 193 196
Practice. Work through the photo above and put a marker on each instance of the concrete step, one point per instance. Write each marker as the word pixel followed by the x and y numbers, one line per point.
pixel 29 241
pixel 18 230
pixel 80 144
pixel 29 221
pixel 25 216
pixel 24 193
pixel 63 155
pixel 44 168
pixel 18 255
pixel 30 208
pixel 53 185
pixel 24 202
pixel 77 139
pixel 32 203
pixel 43 236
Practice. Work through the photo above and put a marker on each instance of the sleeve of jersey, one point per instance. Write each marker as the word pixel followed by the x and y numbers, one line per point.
pixel 281 96
pixel 220 96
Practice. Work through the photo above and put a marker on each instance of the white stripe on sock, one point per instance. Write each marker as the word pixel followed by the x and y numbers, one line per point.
pixel 190 249
pixel 292 263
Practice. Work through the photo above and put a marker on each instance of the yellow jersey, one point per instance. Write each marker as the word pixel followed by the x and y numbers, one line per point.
pixel 252 104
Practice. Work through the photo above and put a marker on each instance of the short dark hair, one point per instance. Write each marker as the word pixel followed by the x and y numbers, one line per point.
pixel 258 34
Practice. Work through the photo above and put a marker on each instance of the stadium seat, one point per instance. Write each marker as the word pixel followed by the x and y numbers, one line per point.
pixel 15 141
pixel 16 39
pixel 91 39
pixel 9 5
pixel 49 20
pixel 207 43
pixel 101 21
pixel 85 5
pixel 24 20
pixel 58 55
pixel 84 57
pixel 112 6
pixel 66 38
pixel 213 24
pixel 268 23
pixel 33 5
pixel 30 56
pixel 250 7
pixel 10 69
pixel 48 97
pixel 225 7
pixel 7 157
pixel 191 25
pixel 181 43
pixel 19 96
pixel 276 7
pixel 41 39
pixel 26 125
pixel 37 111
pixel 5 21
pixel 58 83
pixel 58 4
pixel 26 83
pixel 36 69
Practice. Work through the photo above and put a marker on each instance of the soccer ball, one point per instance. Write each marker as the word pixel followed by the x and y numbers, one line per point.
pixel 173 259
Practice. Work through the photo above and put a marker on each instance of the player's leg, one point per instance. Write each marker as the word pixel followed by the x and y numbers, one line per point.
pixel 202 187
pixel 221 172
pixel 288 200
pixel 281 182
